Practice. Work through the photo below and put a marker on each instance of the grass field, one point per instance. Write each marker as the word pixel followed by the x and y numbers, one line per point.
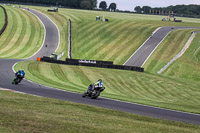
pixel 2 16
pixel 25 113
pixel 115 40
pixel 188 66
pixel 23 35
pixel 129 86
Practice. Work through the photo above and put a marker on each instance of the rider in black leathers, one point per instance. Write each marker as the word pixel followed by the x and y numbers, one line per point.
pixel 91 87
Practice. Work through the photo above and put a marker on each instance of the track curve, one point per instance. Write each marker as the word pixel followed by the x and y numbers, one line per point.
pixel 144 52
pixel 39 90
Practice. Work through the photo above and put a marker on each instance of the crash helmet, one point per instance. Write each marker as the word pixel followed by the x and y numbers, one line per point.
pixel 100 80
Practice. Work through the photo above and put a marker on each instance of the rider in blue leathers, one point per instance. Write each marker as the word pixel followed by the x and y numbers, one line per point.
pixel 99 83
pixel 20 74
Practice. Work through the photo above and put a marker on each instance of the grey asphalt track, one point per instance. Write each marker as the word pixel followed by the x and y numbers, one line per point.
pixel 142 54
pixel 28 87
pixel 51 41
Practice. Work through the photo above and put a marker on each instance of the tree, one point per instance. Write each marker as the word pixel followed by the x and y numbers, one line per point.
pixel 146 9
pixel 112 7
pixel 103 5
pixel 94 3
pixel 138 9
pixel 86 4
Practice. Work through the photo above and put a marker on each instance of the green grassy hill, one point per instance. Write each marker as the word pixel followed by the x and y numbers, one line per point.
pixel 21 113
pixel 23 35
pixel 115 40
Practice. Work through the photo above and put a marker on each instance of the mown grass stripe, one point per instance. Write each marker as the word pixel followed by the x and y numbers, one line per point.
pixel 23 39
pixel 71 76
pixel 58 72
pixel 114 85
pixel 72 16
pixel 161 91
pixel 16 35
pixel 85 44
pixel 92 49
pixel 128 85
pixel 29 35
pixel 50 77
pixel 10 30
pixel 18 44
pixel 119 45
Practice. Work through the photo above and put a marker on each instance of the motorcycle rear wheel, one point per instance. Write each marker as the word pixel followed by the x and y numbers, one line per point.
pixel 84 94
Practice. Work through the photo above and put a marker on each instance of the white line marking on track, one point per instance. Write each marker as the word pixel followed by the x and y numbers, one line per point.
pixel 143 44
pixel 155 48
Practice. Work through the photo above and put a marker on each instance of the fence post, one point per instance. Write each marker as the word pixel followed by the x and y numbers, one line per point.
pixel 69 40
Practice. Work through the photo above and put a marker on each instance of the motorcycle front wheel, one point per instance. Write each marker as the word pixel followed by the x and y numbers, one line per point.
pixel 95 94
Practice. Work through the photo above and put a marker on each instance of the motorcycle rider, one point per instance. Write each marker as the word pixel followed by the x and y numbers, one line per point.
pixel 91 87
pixel 20 74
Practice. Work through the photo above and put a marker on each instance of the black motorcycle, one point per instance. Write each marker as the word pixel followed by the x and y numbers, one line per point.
pixel 17 79
pixel 93 93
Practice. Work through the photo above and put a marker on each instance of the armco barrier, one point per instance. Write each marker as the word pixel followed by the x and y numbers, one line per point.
pixel 6 21
pixel 92 63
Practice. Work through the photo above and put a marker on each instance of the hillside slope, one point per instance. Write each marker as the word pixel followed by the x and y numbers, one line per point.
pixel 23 36
pixel 115 40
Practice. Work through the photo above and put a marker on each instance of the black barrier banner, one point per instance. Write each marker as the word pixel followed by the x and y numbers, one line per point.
pixel 88 61
pixel 93 63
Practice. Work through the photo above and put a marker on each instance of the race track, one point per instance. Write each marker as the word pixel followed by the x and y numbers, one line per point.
pixel 52 42
pixel 143 53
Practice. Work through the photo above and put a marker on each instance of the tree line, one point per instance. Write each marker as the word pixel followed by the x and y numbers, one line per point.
pixel 81 4
pixel 103 5
pixel 178 10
